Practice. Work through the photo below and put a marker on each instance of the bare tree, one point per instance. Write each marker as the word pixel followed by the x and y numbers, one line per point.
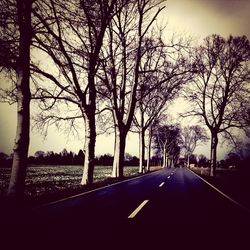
pixel 121 68
pixel 152 130
pixel 167 140
pixel 219 94
pixel 71 36
pixel 191 137
pixel 16 29
pixel 169 70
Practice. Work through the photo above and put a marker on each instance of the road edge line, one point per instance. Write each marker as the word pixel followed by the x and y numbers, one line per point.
pixel 222 193
pixel 91 191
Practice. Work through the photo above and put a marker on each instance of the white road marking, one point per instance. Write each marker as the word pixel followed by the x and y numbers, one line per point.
pixel 225 195
pixel 168 176
pixel 172 173
pixel 136 211
pixel 161 184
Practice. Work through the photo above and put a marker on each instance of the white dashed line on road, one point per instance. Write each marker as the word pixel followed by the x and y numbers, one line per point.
pixel 161 184
pixel 168 176
pixel 137 210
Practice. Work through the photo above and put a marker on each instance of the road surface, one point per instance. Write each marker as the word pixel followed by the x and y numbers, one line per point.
pixel 166 209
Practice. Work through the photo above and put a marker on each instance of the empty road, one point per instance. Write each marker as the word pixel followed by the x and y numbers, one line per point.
pixel 166 209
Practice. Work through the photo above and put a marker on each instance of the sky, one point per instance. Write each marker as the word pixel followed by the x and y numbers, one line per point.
pixel 198 18
pixel 204 17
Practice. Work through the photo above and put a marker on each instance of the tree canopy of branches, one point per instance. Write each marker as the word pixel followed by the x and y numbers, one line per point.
pixel 219 93
pixel 191 137
pixel 9 35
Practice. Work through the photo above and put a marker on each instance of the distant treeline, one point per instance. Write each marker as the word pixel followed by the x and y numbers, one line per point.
pixel 231 160
pixel 70 158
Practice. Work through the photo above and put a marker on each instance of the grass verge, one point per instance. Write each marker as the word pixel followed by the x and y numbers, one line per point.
pixel 233 182
pixel 46 184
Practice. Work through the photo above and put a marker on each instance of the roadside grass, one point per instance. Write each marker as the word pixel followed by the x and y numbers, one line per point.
pixel 233 182
pixel 46 183
pixel 200 170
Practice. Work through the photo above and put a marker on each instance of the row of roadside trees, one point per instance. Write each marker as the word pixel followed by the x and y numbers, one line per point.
pixel 106 63
pixel 94 51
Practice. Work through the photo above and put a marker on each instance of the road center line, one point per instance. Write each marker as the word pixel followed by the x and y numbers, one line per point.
pixel 136 211
pixel 161 184
pixel 168 176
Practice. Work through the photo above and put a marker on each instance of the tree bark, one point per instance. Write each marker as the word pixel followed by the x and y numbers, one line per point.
pixel 168 161
pixel 21 147
pixel 164 165
pixel 172 162
pixel 213 153
pixel 89 149
pixel 89 109
pixel 119 152
pixel 188 160
pixel 149 148
pixel 141 150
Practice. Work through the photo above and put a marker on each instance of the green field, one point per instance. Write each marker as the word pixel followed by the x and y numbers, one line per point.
pixel 57 181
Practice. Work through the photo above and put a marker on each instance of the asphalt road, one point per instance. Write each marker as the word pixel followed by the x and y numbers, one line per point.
pixel 167 209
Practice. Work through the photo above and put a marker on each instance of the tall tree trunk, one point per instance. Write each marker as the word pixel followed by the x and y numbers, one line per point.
pixel 89 149
pixel 89 109
pixel 188 160
pixel 141 150
pixel 21 147
pixel 164 165
pixel 213 153
pixel 168 164
pixel 172 162
pixel 119 152
pixel 149 148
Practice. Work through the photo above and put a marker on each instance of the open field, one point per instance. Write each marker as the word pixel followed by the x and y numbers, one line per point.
pixel 47 182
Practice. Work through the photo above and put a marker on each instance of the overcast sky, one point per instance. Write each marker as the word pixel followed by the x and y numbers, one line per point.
pixel 205 17
pixel 194 17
